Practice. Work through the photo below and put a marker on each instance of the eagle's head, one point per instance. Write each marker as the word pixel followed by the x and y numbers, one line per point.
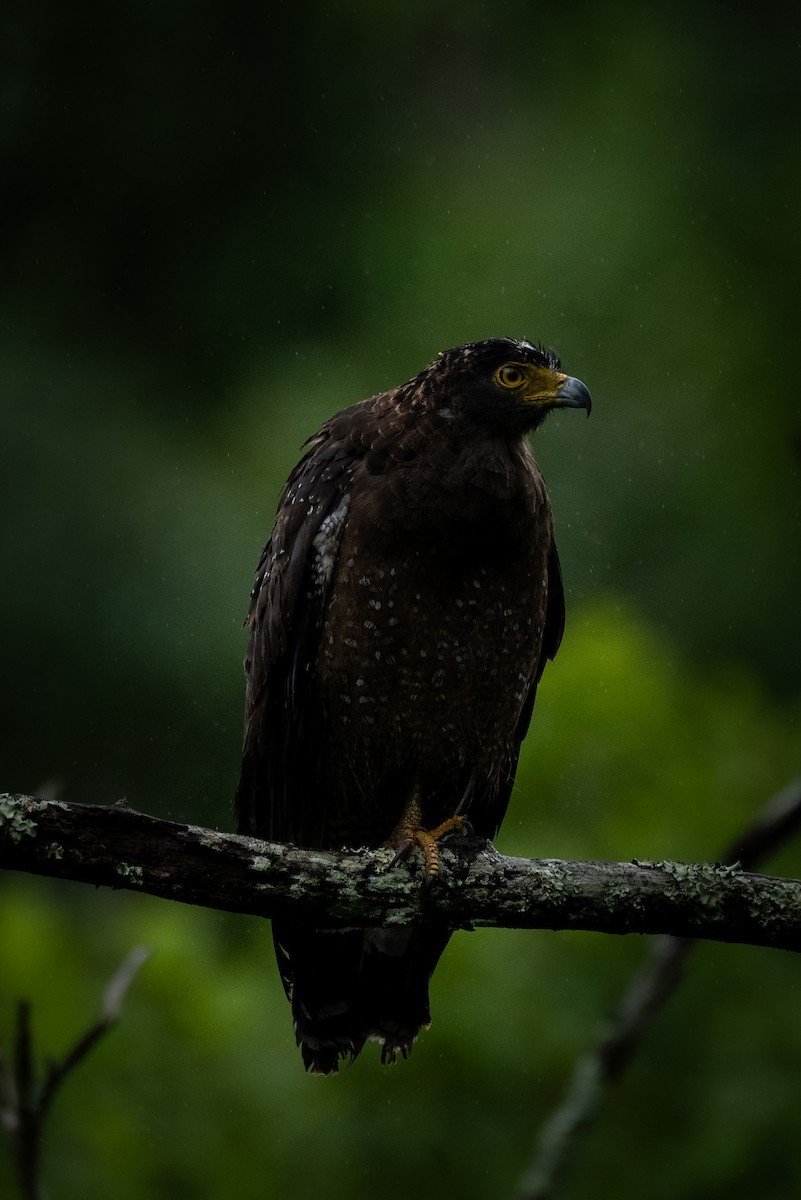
pixel 501 383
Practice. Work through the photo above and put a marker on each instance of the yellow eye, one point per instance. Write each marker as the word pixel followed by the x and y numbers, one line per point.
pixel 510 375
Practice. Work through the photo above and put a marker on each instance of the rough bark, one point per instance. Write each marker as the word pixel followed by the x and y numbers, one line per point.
pixel 120 848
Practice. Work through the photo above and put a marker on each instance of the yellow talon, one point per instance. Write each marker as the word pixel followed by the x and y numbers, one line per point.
pixel 409 832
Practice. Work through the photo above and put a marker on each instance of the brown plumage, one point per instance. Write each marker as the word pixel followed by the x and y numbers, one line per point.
pixel 403 611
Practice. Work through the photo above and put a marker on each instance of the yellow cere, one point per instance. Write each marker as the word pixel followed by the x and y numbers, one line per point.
pixel 536 384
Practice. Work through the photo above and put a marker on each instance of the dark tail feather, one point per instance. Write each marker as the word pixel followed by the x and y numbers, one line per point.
pixel 350 985
pixel 319 971
pixel 396 967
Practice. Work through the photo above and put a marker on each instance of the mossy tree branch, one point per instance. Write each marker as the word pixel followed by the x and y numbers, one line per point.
pixel 118 847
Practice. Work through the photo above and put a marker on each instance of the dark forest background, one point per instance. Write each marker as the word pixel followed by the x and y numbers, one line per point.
pixel 219 225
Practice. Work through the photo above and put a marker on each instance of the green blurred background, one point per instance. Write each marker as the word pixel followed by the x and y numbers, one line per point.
pixel 222 224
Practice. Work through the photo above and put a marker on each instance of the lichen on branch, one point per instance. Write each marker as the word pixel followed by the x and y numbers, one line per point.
pixel 119 847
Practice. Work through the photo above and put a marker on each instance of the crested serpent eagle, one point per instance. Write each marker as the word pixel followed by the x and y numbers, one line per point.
pixel 403 611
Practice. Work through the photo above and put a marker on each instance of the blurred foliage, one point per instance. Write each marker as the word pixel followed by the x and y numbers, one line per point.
pixel 201 1081
pixel 219 227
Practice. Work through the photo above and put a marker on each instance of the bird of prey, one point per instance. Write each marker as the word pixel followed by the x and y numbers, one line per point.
pixel 403 611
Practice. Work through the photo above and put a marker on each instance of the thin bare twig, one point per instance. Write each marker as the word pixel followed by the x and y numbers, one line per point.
pixel 25 1100
pixel 650 989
